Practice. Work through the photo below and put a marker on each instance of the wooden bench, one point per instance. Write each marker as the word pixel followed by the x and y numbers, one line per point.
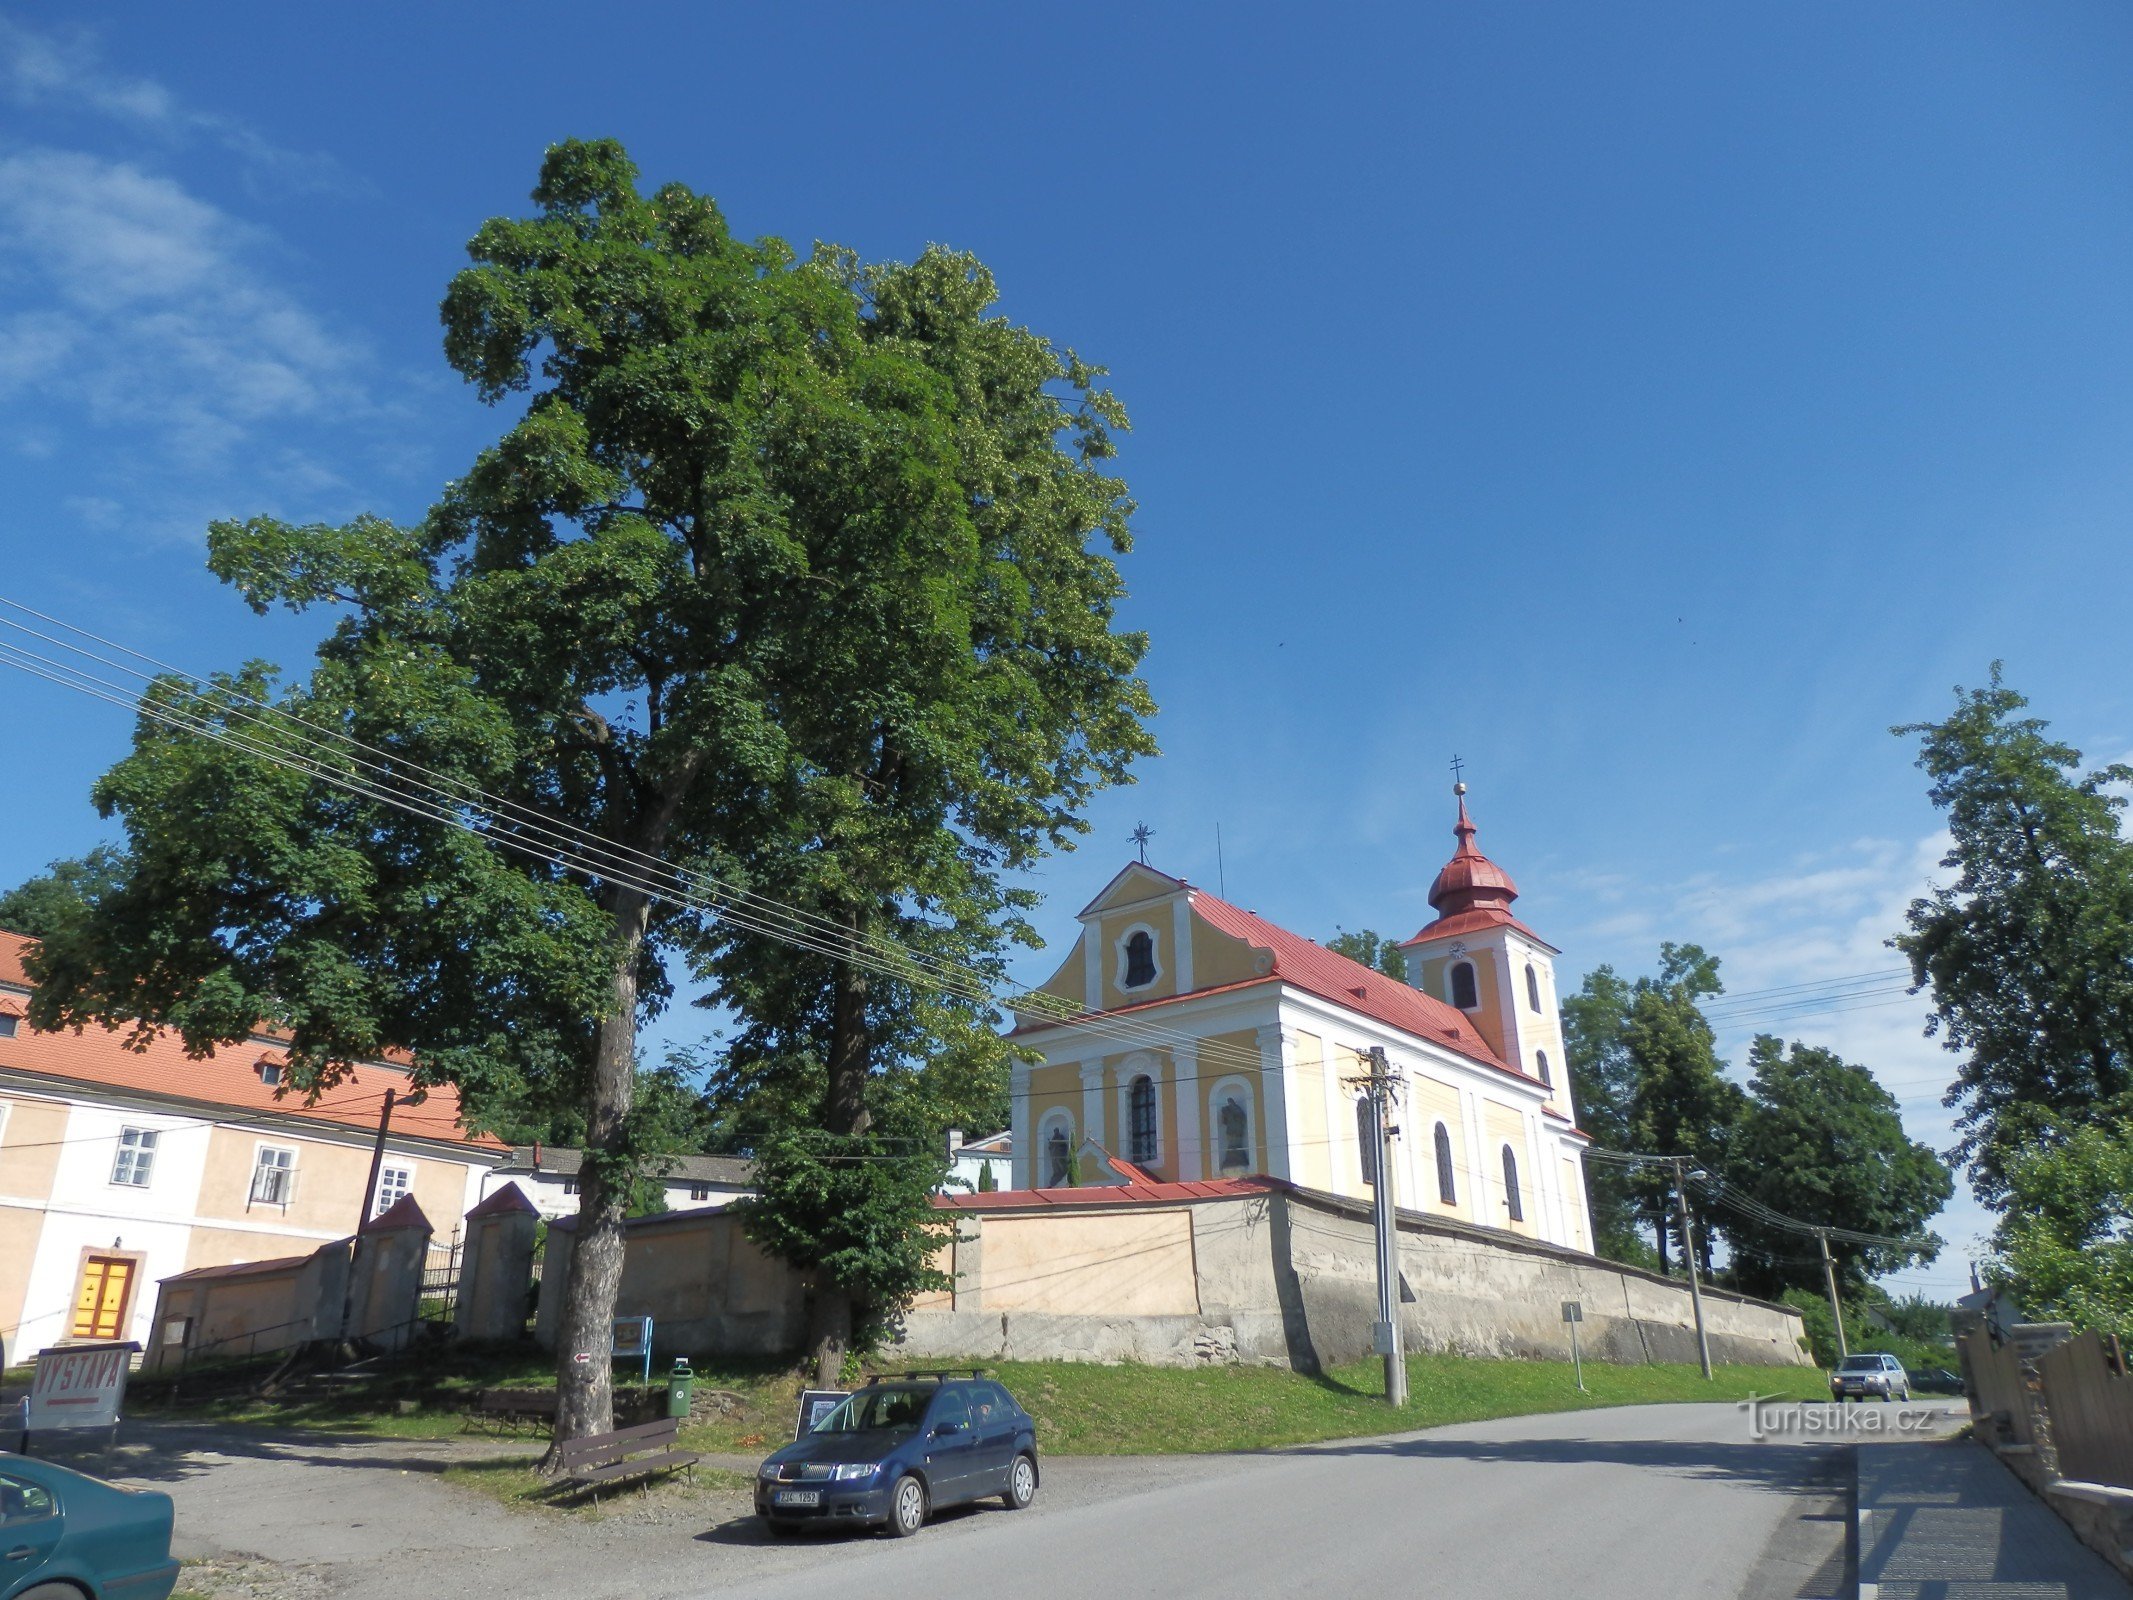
pixel 626 1453
pixel 510 1407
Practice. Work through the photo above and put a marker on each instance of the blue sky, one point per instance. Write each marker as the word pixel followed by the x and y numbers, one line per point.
pixel 1650 403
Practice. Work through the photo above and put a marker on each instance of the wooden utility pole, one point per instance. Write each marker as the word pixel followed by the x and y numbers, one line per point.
pixel 377 1160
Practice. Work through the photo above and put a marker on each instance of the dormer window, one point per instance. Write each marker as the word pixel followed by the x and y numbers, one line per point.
pixel 1140 960
pixel 1466 992
pixel 270 1073
pixel 7 1026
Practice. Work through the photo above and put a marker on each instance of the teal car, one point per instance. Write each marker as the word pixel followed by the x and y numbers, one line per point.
pixel 67 1536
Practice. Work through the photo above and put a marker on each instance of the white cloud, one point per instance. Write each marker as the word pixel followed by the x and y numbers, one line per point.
pixel 148 309
pixel 49 71
pixel 1819 930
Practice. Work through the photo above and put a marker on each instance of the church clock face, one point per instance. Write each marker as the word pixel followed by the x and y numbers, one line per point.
pixel 1458 947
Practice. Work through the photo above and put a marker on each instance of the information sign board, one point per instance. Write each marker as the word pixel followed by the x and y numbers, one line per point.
pixel 79 1386
pixel 633 1342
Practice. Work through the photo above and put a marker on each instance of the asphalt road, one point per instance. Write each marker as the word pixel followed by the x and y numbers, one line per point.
pixel 1646 1501
pixel 1640 1502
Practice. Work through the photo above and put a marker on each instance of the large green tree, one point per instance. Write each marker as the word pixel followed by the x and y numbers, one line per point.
pixel 1822 1141
pixel 791 572
pixel 1648 1079
pixel 2028 951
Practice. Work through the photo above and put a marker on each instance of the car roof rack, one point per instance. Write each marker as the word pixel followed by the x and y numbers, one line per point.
pixel 937 1374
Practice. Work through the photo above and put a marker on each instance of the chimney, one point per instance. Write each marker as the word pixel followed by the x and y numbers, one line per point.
pixel 955 1141
pixel 536 1155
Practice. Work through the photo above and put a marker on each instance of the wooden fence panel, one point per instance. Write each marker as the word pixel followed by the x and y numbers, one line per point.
pixel 1997 1379
pixel 2091 1408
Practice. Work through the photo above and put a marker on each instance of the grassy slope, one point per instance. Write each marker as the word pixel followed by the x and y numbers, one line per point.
pixel 1081 1409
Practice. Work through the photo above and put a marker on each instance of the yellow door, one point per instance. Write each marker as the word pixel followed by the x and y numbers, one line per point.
pixel 100 1308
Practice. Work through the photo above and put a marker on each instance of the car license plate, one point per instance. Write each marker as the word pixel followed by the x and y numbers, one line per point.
pixel 799 1497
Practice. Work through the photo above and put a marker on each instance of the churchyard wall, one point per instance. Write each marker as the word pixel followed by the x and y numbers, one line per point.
pixel 1289 1276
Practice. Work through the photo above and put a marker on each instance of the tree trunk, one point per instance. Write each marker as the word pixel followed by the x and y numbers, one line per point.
pixel 584 1382
pixel 829 1334
pixel 1659 1237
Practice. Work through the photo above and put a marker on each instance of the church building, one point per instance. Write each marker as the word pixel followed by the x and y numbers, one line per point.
pixel 1196 1042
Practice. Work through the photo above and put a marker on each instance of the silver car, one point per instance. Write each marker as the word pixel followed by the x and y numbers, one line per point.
pixel 1879 1377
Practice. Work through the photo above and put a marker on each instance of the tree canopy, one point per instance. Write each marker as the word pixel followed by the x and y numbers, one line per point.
pixel 1372 949
pixel 793 577
pixel 1822 1141
pixel 2028 952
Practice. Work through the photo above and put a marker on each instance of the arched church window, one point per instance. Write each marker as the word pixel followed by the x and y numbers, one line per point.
pixel 1366 1137
pixel 1140 960
pixel 1058 1158
pixel 1466 993
pixel 1510 1186
pixel 1233 1128
pixel 1540 1060
pixel 1533 987
pixel 1140 1119
pixel 1447 1186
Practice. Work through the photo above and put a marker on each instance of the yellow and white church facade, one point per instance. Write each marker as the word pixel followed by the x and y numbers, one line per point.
pixel 1195 1042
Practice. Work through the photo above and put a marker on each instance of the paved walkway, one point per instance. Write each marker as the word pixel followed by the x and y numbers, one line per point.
pixel 1948 1522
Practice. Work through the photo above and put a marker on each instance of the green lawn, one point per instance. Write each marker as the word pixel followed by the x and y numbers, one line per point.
pixel 1135 1410
pixel 1082 1409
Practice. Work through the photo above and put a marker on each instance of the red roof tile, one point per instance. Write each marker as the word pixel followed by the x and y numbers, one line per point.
pixel 227 1079
pixel 1098 1194
pixel 1316 970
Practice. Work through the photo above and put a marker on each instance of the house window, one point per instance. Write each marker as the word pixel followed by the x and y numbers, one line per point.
pixel 1140 1120
pixel 270 1074
pixel 1540 1060
pixel 1466 993
pixel 1366 1138
pixel 1447 1183
pixel 699 1191
pixel 273 1176
pixel 570 1185
pixel 7 1026
pixel 1533 987
pixel 1510 1186
pixel 1233 1132
pixel 136 1157
pixel 1058 1157
pixel 393 1184
pixel 1140 960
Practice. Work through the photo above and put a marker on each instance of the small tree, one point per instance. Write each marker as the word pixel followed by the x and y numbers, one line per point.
pixel 1371 949
pixel 2065 1242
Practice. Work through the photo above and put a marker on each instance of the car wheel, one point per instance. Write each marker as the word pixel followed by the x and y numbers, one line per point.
pixel 1021 1484
pixel 51 1591
pixel 907 1507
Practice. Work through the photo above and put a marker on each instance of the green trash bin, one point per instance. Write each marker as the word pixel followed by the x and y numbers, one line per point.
pixel 681 1383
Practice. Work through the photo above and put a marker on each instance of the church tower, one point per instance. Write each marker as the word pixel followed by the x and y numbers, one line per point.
pixel 1478 957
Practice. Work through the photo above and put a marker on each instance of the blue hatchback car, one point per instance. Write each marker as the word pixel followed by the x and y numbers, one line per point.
pixel 899 1450
pixel 65 1535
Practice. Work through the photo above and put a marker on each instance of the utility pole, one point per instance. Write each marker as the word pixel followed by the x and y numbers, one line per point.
pixel 1688 1253
pixel 377 1160
pixel 1381 1089
pixel 1829 1281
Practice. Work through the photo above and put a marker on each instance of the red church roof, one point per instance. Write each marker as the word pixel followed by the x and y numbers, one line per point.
pixel 1304 964
pixel 1311 967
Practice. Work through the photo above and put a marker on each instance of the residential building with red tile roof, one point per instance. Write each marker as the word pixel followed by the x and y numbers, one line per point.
pixel 1189 1040
pixel 120 1166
